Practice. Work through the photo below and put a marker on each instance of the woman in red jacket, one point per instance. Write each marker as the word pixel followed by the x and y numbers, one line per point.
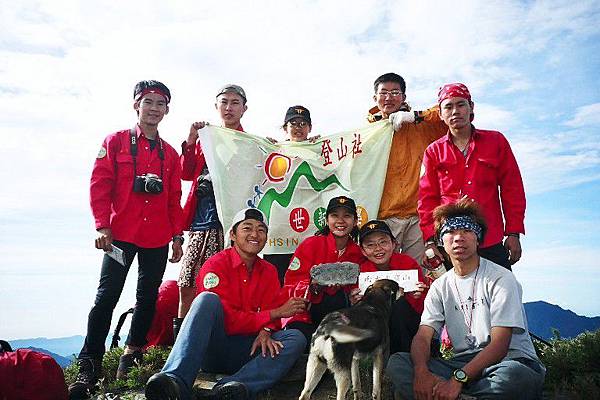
pixel 377 244
pixel 335 243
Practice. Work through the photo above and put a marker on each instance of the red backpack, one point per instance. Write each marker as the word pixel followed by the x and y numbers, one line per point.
pixel 27 374
pixel 161 329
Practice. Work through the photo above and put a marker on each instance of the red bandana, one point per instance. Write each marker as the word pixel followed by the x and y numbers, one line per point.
pixel 153 90
pixel 453 90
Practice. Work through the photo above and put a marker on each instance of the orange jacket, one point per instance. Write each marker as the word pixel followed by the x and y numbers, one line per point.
pixel 399 198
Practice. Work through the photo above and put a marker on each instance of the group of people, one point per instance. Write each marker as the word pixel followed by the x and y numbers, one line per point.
pixel 449 187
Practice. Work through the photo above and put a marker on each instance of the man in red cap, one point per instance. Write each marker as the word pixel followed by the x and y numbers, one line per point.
pixel 135 196
pixel 476 164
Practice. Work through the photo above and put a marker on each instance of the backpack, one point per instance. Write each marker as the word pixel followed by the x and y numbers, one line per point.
pixel 27 374
pixel 161 329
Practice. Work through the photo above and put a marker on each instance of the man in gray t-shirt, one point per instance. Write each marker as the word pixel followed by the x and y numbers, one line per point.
pixel 488 350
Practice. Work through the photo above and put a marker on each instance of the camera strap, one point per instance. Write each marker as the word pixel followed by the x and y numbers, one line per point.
pixel 133 149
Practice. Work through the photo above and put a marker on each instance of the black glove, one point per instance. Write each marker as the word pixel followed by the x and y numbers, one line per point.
pixel 204 188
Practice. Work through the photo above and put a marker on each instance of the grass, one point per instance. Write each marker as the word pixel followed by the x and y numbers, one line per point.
pixel 573 370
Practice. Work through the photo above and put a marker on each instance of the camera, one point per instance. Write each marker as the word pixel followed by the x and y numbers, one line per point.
pixel 148 183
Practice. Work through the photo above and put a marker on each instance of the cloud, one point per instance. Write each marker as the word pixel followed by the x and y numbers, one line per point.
pixel 585 116
pixel 68 70
pixel 561 274
pixel 557 160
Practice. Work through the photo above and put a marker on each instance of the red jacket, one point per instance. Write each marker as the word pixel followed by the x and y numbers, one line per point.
pixel 192 163
pixel 247 298
pixel 312 251
pixel 144 219
pixel 490 175
pixel 398 262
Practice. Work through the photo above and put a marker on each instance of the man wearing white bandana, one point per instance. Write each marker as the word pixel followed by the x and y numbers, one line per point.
pixel 481 305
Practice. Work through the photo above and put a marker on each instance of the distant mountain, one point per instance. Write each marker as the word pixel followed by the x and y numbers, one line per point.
pixel 65 346
pixel 542 317
pixel 62 361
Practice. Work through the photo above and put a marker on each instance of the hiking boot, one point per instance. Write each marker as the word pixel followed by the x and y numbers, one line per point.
pixel 85 383
pixel 161 387
pixel 228 391
pixel 127 361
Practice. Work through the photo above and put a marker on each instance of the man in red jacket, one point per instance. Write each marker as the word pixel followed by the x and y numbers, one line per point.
pixel 135 196
pixel 476 164
pixel 234 324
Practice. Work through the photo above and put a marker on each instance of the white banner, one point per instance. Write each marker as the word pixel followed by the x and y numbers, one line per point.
pixel 292 182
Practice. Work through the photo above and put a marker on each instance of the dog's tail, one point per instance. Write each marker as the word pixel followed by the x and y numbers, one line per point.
pixel 350 334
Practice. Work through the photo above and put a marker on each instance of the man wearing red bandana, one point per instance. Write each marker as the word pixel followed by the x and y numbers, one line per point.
pixel 476 164
pixel 135 196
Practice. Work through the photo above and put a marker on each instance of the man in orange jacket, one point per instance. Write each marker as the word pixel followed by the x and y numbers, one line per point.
pixel 414 131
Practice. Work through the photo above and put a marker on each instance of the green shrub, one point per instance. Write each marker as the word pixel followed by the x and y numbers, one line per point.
pixel 154 359
pixel 573 365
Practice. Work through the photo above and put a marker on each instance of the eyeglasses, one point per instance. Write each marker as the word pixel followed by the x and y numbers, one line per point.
pixel 373 245
pixel 298 124
pixel 393 93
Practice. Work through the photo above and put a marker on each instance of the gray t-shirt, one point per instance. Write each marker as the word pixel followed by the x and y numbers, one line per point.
pixel 497 302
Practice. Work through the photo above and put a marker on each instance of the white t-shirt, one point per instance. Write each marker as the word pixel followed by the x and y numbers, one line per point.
pixel 497 302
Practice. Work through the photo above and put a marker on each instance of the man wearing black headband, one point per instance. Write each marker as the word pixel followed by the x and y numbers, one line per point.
pixel 489 353
pixel 135 195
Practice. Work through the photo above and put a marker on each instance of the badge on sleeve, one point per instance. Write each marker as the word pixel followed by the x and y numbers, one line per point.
pixel 101 153
pixel 294 264
pixel 211 280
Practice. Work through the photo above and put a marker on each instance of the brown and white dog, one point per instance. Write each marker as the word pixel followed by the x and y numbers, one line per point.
pixel 346 336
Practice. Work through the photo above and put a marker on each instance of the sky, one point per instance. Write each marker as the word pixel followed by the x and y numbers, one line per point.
pixel 67 72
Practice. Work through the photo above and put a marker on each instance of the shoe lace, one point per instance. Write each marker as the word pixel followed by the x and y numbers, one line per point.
pixel 87 371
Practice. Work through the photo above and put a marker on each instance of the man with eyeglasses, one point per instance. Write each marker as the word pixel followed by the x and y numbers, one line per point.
pixel 414 131
pixel 377 244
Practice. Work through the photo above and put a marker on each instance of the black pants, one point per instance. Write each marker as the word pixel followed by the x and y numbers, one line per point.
pixel 281 262
pixel 404 323
pixel 496 253
pixel 152 263
pixel 318 311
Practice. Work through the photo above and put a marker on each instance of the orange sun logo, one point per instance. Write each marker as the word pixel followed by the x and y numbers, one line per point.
pixel 276 166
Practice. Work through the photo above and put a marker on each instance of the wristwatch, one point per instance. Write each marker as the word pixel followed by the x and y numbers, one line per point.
pixel 267 329
pixel 460 376
pixel 178 237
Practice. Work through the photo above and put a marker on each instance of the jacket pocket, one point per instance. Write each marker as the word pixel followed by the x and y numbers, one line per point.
pixel 445 172
pixel 125 165
pixel 486 173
